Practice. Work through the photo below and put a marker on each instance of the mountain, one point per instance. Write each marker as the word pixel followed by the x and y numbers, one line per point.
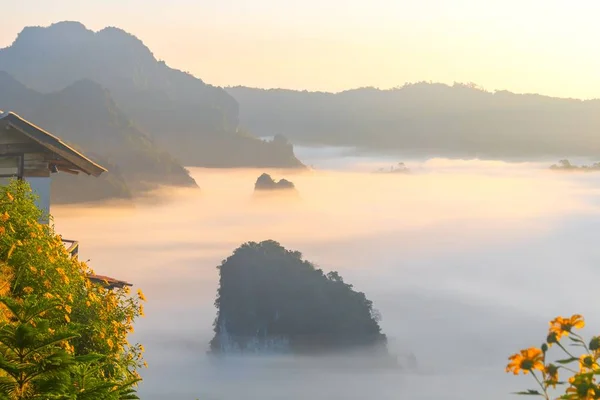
pixel 84 115
pixel 271 300
pixel 194 121
pixel 265 183
pixel 427 119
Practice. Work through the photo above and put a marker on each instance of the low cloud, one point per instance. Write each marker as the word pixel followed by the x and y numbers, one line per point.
pixel 465 260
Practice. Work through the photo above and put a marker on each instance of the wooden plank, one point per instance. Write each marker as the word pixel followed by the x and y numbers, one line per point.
pixel 19 148
pixel 36 156
pixel 37 173
pixel 12 136
pixel 64 163
pixel 67 170
pixel 35 161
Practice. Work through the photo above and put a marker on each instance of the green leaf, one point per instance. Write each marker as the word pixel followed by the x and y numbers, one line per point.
pixel 529 392
pixel 89 358
pixel 567 360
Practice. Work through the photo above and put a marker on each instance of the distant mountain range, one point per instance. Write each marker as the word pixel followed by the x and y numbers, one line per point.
pixel 428 119
pixel 106 93
pixel 86 116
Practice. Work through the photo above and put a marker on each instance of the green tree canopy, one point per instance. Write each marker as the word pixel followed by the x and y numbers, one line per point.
pixel 269 298
pixel 61 337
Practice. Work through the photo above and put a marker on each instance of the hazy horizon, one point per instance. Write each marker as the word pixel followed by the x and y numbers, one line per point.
pixel 333 46
pixel 461 259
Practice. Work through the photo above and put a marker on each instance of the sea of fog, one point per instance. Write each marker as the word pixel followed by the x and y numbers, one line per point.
pixel 466 260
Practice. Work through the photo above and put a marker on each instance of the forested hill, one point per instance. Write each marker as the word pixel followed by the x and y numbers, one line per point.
pixel 196 122
pixel 428 118
pixel 85 115
pixel 271 300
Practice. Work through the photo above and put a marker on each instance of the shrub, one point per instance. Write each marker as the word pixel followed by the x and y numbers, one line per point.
pixel 61 336
pixel 578 370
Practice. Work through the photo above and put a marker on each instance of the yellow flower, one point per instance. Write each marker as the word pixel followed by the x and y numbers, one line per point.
pixel 47 284
pixel 141 295
pixel 67 309
pixel 527 360
pixel 141 348
pixel 4 217
pixel 70 297
pixel 563 326
pixel 28 289
pixel 51 331
pixel 33 269
pixel 587 363
pixel 33 235
pixel 145 364
pixel 87 303
pixel 551 374
pixel 581 388
pixel 67 318
pixel 110 343
pixel 2 230
pixel 10 196
pixel 48 295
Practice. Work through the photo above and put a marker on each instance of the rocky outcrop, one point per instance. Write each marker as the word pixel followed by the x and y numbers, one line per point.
pixel 270 300
pixel 266 183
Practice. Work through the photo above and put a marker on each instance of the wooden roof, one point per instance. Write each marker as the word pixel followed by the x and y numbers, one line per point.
pixel 107 281
pixel 78 161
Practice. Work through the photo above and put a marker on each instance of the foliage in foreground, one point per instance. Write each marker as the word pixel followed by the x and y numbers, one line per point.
pixel 581 368
pixel 61 337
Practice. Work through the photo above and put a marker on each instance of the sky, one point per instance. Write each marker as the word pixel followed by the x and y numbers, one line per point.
pixel 526 46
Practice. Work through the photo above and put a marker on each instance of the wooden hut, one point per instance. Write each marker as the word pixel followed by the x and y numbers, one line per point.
pixel 28 152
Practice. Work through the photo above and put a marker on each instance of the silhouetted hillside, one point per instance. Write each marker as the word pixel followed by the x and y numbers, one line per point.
pixel 196 122
pixel 271 300
pixel 67 188
pixel 565 165
pixel 85 115
pixel 427 118
pixel 399 168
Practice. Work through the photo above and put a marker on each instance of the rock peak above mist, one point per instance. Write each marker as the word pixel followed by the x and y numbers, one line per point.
pixel 266 183
pixel 271 300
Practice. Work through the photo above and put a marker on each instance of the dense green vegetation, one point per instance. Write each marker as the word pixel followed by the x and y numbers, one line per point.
pixel 61 337
pixel 194 121
pixel 270 299
pixel 427 119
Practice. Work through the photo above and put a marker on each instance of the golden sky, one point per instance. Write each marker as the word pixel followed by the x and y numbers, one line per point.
pixel 539 46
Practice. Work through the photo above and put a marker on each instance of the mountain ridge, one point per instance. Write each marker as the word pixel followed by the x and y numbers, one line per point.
pixel 428 119
pixel 85 115
pixel 196 122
